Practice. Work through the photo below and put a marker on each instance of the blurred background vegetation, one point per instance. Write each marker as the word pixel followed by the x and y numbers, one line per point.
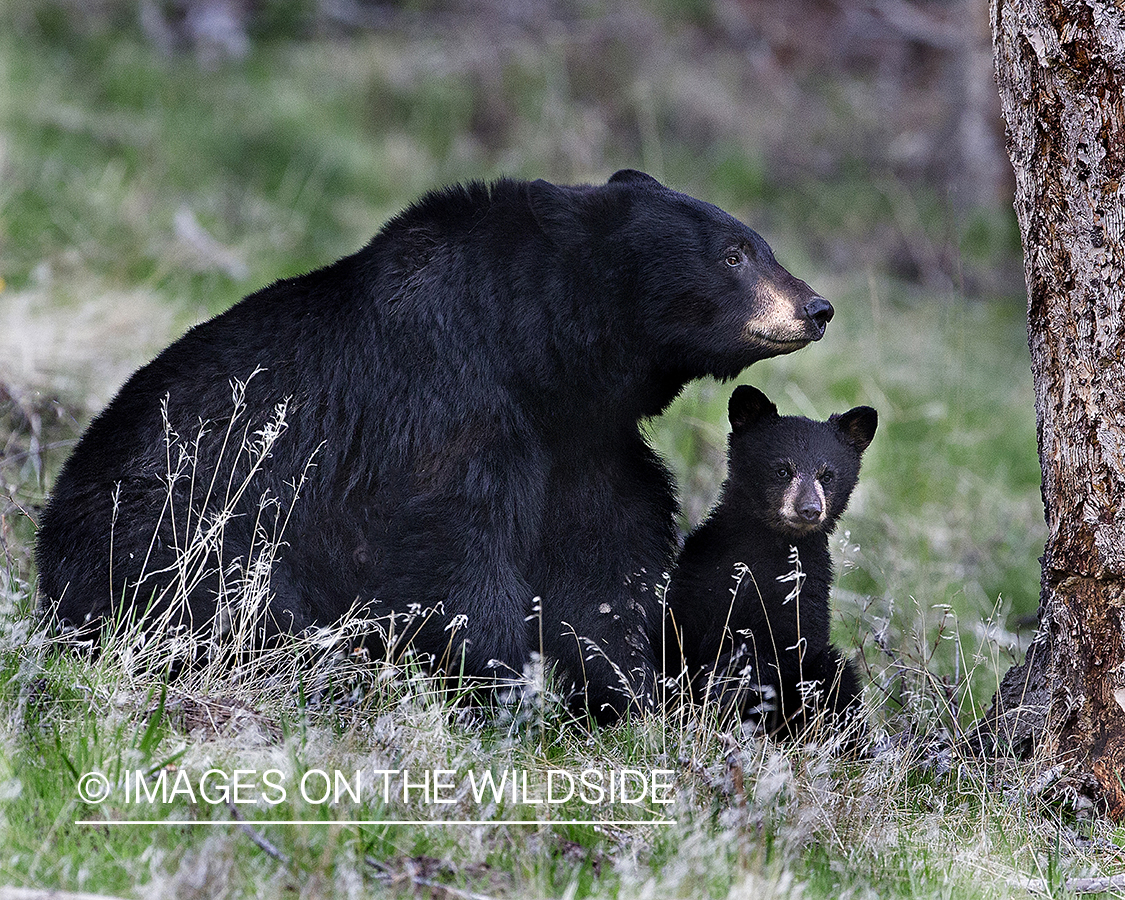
pixel 160 159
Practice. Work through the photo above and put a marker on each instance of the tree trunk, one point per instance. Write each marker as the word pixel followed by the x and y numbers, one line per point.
pixel 1060 66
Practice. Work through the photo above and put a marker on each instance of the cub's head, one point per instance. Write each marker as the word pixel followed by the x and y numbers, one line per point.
pixel 796 474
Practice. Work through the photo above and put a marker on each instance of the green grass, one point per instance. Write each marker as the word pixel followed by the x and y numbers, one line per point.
pixel 296 155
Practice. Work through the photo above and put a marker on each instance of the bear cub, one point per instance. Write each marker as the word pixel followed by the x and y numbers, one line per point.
pixel 747 606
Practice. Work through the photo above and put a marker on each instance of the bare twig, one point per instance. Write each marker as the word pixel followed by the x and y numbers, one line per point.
pixel 264 844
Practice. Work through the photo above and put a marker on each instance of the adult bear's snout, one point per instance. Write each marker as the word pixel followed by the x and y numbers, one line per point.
pixel 819 312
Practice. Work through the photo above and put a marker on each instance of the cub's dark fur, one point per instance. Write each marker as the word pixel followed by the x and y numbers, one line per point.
pixel 754 636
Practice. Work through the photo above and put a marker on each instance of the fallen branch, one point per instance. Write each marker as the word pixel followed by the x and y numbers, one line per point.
pixel 389 876
pixel 384 872
pixel 1095 885
pixel 264 844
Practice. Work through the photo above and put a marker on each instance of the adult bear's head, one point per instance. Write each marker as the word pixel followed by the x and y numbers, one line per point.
pixel 705 289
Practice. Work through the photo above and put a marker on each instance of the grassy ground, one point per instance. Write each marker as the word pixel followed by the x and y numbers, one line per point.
pixel 139 194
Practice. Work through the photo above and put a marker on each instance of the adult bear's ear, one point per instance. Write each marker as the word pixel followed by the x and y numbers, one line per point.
pixel 747 407
pixel 857 426
pixel 632 176
pixel 555 210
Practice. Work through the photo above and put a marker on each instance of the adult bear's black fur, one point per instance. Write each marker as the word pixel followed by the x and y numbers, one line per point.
pixel 750 634
pixel 467 389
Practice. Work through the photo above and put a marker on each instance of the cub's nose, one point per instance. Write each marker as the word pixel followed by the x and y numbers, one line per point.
pixel 819 312
pixel 809 511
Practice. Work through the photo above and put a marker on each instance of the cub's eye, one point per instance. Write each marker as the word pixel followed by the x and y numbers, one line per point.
pixel 734 258
pixel 826 477
pixel 783 473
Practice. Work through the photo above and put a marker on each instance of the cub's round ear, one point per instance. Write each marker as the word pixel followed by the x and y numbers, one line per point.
pixel 747 407
pixel 857 426
pixel 632 176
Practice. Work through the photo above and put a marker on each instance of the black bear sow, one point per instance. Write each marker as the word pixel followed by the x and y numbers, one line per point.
pixel 440 430
pixel 748 614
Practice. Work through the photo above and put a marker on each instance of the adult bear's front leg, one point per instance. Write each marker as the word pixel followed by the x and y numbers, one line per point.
pixel 608 542
pixel 443 574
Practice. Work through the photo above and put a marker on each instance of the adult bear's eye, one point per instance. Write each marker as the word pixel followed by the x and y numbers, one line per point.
pixel 734 258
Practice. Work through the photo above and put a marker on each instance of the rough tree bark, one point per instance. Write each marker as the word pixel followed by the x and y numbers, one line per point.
pixel 1060 67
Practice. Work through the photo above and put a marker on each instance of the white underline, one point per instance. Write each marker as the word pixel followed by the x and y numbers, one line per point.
pixel 618 823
